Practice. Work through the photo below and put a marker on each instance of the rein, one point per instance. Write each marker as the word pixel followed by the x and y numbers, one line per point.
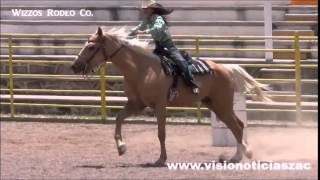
pixel 113 54
pixel 106 56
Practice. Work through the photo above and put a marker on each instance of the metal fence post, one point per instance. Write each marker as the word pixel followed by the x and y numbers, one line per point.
pixel 198 56
pixel 297 57
pixel 12 110
pixel 268 29
pixel 197 47
pixel 103 92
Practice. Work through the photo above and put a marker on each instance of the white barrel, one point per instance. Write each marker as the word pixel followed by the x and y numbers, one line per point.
pixel 221 135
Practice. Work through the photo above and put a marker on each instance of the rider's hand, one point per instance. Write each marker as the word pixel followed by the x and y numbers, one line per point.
pixel 140 32
pixel 132 33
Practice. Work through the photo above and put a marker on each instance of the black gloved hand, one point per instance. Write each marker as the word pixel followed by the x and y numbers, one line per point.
pixel 132 34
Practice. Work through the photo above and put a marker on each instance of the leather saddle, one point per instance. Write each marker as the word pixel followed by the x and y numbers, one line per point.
pixel 197 67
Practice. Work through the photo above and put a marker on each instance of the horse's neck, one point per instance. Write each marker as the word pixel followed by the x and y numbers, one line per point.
pixel 132 63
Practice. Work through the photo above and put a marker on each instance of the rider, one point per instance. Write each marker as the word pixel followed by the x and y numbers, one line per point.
pixel 155 23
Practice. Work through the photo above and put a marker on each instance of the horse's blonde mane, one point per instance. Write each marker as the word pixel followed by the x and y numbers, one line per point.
pixel 136 44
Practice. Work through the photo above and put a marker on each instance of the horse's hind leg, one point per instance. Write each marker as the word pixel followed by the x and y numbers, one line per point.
pixel 130 108
pixel 246 150
pixel 237 128
pixel 160 112
pixel 226 114
pixel 242 146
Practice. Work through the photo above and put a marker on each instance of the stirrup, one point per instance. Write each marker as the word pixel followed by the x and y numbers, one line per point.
pixel 195 90
pixel 173 94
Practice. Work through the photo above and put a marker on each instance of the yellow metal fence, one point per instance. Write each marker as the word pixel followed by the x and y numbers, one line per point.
pixel 102 73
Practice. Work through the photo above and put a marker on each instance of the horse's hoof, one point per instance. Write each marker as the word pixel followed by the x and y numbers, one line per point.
pixel 222 159
pixel 248 154
pixel 160 163
pixel 122 149
pixel 233 160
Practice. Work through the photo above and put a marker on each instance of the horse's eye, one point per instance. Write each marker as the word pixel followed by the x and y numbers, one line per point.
pixel 91 48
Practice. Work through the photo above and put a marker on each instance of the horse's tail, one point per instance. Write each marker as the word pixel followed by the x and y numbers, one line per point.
pixel 247 84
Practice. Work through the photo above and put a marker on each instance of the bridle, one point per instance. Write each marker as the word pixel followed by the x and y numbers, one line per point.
pixel 100 45
pixel 106 56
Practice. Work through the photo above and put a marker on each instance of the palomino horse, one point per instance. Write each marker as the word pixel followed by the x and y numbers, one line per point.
pixel 146 85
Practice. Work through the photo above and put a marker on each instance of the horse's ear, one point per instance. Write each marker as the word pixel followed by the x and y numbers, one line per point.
pixel 99 31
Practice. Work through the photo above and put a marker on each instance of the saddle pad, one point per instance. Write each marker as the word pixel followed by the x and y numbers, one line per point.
pixel 200 67
pixel 197 67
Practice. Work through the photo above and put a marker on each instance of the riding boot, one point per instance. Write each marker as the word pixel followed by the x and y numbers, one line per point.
pixel 187 76
pixel 182 64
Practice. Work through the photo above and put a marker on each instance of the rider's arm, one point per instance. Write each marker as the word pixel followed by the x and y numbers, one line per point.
pixel 142 26
pixel 159 25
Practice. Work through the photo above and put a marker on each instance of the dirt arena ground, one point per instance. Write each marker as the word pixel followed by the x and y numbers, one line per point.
pixel 87 151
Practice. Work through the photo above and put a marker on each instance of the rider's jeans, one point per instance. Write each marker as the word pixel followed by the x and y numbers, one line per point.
pixel 169 50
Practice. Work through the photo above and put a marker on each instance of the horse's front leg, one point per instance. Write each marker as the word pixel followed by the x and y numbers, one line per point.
pixel 160 113
pixel 128 110
pixel 121 146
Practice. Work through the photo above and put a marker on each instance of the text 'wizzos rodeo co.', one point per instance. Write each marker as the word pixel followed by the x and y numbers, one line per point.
pixel 51 12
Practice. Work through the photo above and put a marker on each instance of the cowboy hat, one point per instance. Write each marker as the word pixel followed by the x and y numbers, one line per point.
pixel 147 3
pixel 158 8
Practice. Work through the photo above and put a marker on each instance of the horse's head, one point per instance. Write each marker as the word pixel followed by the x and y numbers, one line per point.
pixel 94 53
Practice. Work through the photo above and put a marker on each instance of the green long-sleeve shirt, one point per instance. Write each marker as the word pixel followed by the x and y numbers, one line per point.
pixel 156 26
